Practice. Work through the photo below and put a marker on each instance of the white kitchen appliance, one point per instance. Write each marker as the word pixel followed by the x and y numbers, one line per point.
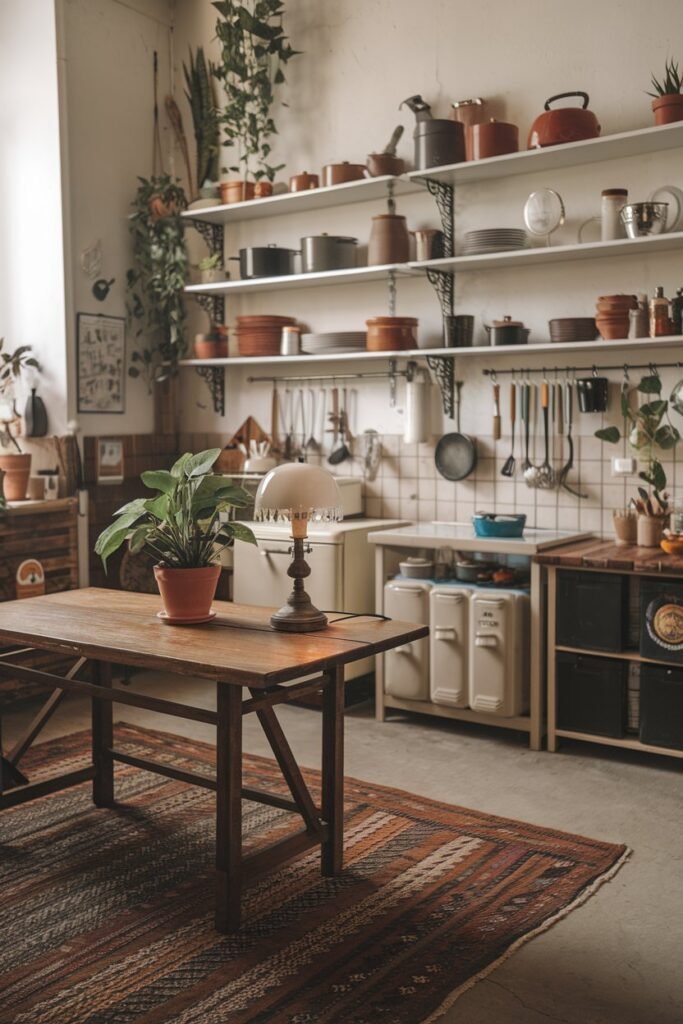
pixel 449 642
pixel 499 646
pixel 342 569
pixel 406 668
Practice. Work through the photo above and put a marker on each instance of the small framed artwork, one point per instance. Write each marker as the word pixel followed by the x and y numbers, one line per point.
pixel 100 363
pixel 110 460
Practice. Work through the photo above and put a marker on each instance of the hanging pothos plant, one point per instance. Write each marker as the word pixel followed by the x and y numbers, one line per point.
pixel 646 428
pixel 156 280
pixel 254 51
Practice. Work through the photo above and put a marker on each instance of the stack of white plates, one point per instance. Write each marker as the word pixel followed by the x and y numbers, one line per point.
pixel 494 240
pixel 333 341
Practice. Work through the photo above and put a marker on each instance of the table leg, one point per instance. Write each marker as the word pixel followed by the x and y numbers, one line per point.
pixel 333 771
pixel 229 808
pixel 102 740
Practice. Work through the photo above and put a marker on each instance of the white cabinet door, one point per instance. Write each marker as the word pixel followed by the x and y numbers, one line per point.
pixel 406 668
pixel 448 645
pixel 261 574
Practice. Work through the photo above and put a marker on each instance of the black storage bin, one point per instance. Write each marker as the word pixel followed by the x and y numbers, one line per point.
pixel 661 620
pixel 661 706
pixel 591 694
pixel 592 610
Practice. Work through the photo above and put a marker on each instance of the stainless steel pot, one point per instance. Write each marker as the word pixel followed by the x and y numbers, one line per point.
pixel 265 261
pixel 327 252
pixel 507 332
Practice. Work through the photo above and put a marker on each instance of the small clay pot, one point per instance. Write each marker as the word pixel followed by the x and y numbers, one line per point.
pixel 303 182
pixel 391 333
pixel 650 530
pixel 263 189
pixel 210 346
pixel 613 328
pixel 492 138
pixel 668 109
pixel 236 191
pixel 380 164
pixel 187 593
pixel 17 469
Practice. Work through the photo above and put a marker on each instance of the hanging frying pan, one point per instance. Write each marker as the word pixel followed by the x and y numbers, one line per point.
pixel 456 454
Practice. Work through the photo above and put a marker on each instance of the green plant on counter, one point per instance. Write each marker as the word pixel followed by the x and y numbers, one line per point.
pixel 214 262
pixel 12 365
pixel 646 429
pixel 671 83
pixel 155 281
pixel 200 95
pixel 254 51
pixel 180 525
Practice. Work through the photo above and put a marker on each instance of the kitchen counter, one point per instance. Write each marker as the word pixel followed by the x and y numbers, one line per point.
pixel 600 554
pixel 324 533
pixel 463 537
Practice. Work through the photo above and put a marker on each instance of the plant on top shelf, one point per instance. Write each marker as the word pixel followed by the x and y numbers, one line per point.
pixel 201 98
pixel 667 104
pixel 15 466
pixel 647 429
pixel 155 281
pixel 254 52
pixel 180 528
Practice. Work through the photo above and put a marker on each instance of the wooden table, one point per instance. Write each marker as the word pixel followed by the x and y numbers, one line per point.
pixel 238 649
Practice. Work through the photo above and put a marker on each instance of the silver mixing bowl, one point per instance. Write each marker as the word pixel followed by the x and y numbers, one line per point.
pixel 642 219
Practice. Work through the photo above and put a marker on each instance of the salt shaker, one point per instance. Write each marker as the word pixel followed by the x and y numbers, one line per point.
pixel 612 202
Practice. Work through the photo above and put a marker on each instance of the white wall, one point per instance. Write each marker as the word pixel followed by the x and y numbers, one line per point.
pixel 107 115
pixel 360 60
pixel 32 306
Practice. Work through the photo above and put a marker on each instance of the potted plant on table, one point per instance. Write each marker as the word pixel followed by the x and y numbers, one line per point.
pixel 155 282
pixel 254 51
pixel 667 104
pixel 647 429
pixel 180 528
pixel 15 466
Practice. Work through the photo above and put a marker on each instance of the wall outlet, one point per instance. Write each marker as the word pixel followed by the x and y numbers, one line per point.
pixel 623 465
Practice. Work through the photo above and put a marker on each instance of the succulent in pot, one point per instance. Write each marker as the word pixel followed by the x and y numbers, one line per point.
pixel 211 269
pixel 667 103
pixel 15 466
pixel 181 528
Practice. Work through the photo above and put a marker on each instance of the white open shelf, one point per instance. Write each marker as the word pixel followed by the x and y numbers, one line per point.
pixel 331 358
pixel 599 345
pixel 552 158
pixel 354 275
pixel 301 202
pixel 540 255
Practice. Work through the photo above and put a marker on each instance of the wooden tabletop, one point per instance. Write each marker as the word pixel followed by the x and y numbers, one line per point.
pixel 238 646
pixel 601 554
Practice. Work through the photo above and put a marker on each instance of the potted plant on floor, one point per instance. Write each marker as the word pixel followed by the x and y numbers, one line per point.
pixel 155 281
pixel 254 51
pixel 180 528
pixel 648 430
pixel 15 466
pixel 199 92
pixel 667 104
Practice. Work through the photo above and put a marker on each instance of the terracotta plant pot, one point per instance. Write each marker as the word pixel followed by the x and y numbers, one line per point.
pixel 236 191
pixel 263 189
pixel 159 209
pixel 187 593
pixel 668 109
pixel 17 470
pixel 391 333
pixel 210 346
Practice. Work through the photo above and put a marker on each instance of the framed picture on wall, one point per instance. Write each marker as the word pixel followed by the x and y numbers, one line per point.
pixel 110 460
pixel 101 363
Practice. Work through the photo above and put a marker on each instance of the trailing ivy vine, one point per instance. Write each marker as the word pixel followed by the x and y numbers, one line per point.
pixel 254 51
pixel 155 281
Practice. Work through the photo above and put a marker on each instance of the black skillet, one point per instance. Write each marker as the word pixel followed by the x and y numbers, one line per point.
pixel 456 454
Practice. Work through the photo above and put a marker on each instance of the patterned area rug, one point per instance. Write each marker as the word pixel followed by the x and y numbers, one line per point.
pixel 107 914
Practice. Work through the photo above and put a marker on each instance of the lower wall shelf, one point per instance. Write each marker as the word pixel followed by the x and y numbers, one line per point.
pixel 625 742
pixel 522 723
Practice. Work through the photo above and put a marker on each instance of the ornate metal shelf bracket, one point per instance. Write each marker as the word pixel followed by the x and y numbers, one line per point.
pixel 212 234
pixel 442 282
pixel 213 306
pixel 443 195
pixel 215 381
pixel 443 368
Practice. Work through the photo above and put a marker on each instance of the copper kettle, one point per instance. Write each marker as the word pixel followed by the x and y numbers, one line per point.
pixel 567 124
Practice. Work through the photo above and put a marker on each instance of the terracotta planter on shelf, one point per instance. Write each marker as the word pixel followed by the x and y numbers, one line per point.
pixel 187 593
pixel 263 189
pixel 17 470
pixel 668 109
pixel 210 346
pixel 236 191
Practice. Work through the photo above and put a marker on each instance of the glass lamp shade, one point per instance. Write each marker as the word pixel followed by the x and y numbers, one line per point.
pixel 297 491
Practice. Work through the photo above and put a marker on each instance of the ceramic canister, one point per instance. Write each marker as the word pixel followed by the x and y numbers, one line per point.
pixel 389 240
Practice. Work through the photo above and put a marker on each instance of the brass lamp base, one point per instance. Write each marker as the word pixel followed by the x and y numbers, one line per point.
pixel 298 615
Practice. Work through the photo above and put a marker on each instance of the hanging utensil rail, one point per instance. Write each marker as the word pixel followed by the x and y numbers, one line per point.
pixel 391 374
pixel 653 367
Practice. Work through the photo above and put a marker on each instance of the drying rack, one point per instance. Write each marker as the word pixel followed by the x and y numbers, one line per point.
pixel 318 378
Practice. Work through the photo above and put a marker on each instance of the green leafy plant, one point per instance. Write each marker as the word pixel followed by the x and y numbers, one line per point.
pixel 200 95
pixel 671 83
pixel 180 525
pixel 646 428
pixel 211 262
pixel 12 365
pixel 254 51
pixel 155 281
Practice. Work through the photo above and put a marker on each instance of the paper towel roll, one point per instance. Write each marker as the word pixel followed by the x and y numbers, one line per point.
pixel 416 426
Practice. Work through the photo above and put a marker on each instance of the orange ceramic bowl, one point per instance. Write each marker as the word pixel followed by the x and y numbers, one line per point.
pixel 672 545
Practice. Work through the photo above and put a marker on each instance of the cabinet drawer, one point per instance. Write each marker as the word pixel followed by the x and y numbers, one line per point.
pixel 592 694
pixel 661 706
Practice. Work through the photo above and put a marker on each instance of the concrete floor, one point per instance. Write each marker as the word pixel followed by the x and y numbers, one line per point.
pixel 616 960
